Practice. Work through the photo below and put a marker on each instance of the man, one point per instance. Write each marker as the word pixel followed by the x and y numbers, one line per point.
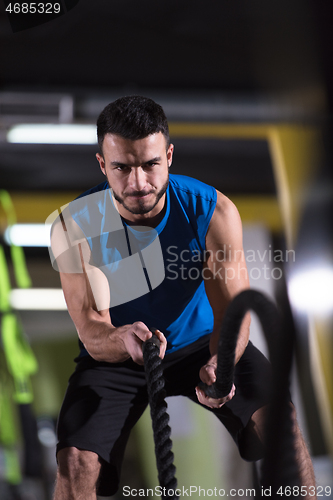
pixel 128 225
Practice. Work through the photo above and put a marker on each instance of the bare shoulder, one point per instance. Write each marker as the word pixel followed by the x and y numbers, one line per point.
pixel 226 216
pixel 68 244
pixel 65 223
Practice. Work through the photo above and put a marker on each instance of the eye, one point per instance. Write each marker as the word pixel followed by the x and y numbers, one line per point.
pixel 122 168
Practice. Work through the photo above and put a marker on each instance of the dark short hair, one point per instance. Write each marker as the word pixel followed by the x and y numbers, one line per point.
pixel 132 117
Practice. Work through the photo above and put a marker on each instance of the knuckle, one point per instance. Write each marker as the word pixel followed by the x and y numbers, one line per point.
pixel 139 324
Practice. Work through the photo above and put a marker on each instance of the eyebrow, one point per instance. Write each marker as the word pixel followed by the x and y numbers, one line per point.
pixel 119 164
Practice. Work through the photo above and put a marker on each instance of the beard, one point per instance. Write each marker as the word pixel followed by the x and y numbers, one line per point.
pixel 142 207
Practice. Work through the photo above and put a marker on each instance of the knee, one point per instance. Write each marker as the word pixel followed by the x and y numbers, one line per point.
pixel 73 463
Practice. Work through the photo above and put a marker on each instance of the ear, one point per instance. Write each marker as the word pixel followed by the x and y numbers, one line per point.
pixel 170 154
pixel 101 162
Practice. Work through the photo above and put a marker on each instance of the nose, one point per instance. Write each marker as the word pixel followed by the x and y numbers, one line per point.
pixel 137 179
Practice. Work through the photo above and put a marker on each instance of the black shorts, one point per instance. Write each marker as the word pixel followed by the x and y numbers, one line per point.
pixel 104 401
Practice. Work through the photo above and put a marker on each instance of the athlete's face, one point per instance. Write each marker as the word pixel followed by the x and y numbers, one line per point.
pixel 137 172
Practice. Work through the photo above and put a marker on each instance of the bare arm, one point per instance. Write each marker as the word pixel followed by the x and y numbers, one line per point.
pixel 225 276
pixel 226 268
pixel 87 295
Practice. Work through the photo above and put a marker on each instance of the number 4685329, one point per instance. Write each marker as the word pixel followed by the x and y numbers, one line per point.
pixel 303 491
pixel 33 8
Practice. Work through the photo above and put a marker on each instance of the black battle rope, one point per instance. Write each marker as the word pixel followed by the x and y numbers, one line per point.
pixel 279 469
pixel 269 318
pixel 160 418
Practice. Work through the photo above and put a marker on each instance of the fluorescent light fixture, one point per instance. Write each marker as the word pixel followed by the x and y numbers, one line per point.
pixel 28 235
pixel 312 290
pixel 38 299
pixel 47 133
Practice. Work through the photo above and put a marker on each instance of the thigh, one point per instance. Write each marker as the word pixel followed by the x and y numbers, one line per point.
pixel 102 404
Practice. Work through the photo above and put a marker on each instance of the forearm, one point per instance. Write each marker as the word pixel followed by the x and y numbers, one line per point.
pixel 242 340
pixel 103 342
pixel 243 337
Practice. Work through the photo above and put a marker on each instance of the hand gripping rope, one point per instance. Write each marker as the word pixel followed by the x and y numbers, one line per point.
pixel 279 467
pixel 269 318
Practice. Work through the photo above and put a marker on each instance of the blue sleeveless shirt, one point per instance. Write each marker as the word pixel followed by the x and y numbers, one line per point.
pixel 173 298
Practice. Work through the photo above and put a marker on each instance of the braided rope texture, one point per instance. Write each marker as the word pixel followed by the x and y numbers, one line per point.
pixel 160 420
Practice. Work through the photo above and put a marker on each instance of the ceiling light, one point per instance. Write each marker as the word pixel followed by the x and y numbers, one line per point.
pixel 28 235
pixel 47 133
pixel 312 290
pixel 38 299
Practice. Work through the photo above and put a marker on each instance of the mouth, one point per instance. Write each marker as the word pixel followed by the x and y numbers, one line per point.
pixel 139 196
